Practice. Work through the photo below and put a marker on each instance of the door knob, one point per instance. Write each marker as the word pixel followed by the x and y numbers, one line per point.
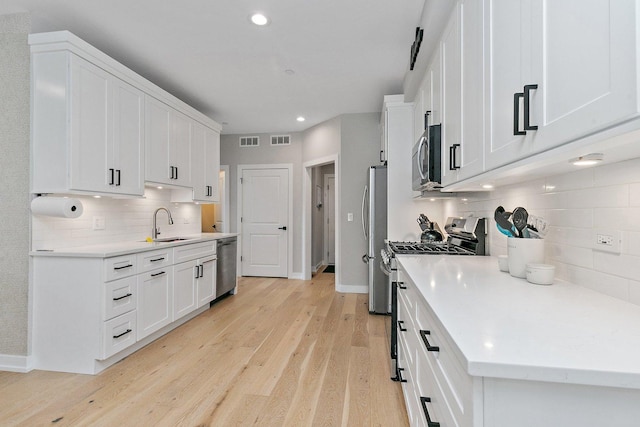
pixel 282 228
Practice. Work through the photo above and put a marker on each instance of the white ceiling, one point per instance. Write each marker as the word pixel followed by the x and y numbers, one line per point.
pixel 345 54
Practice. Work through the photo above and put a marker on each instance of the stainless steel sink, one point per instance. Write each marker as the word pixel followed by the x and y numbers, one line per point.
pixel 172 239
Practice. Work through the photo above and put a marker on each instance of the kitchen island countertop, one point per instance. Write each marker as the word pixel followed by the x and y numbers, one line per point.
pixel 505 327
pixel 108 250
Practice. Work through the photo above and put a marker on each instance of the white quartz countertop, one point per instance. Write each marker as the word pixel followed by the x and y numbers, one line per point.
pixel 506 327
pixel 127 247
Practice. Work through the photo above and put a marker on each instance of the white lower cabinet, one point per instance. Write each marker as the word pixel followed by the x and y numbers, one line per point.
pixel 90 312
pixel 439 389
pixel 155 301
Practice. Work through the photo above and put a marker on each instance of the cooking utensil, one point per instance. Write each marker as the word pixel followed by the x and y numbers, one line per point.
pixel 520 217
pixel 502 221
pixel 537 226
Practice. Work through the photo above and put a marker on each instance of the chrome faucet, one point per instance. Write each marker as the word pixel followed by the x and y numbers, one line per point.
pixel 156 231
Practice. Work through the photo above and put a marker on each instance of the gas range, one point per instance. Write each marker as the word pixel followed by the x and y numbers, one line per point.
pixel 421 248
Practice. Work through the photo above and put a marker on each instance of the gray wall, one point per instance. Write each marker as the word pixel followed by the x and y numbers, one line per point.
pixel 322 140
pixel 359 149
pixel 14 191
pixel 233 155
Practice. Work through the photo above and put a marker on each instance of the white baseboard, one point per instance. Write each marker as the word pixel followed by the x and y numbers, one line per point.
pixel 12 363
pixel 352 289
pixel 296 275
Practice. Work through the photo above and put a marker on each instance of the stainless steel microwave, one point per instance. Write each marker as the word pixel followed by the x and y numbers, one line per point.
pixel 426 161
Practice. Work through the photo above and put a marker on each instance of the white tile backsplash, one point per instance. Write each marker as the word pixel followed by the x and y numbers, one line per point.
pixel 125 220
pixel 575 204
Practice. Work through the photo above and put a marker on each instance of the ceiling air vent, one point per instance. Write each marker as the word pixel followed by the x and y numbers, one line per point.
pixel 280 140
pixel 249 141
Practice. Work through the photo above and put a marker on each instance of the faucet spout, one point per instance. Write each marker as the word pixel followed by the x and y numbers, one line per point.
pixel 155 231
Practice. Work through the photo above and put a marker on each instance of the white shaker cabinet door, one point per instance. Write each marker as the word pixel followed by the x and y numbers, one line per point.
pixel 206 286
pixel 91 133
pixel 180 148
pixel 507 70
pixel 155 301
pixel 184 288
pixel 586 56
pixel 126 156
pixel 157 141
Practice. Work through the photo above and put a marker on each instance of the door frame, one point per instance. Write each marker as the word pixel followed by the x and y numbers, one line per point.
pixel 307 198
pixel 225 199
pixel 289 167
pixel 327 213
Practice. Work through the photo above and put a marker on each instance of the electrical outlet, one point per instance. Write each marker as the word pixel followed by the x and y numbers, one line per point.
pixel 607 240
pixel 99 223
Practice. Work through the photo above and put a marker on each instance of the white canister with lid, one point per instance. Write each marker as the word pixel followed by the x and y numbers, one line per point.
pixel 522 252
pixel 540 274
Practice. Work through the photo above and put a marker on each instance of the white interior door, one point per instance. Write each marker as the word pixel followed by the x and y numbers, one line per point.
pixel 265 221
pixel 330 218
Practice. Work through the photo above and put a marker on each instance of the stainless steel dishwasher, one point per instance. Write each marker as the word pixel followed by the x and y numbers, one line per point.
pixel 226 265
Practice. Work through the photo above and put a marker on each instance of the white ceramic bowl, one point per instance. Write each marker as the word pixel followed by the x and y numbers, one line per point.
pixel 503 263
pixel 540 274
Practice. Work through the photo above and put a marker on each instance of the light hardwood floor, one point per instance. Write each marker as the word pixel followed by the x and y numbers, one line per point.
pixel 279 353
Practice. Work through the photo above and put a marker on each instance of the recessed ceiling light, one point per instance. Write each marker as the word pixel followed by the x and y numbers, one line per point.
pixel 487 186
pixel 289 72
pixel 300 119
pixel 587 160
pixel 259 19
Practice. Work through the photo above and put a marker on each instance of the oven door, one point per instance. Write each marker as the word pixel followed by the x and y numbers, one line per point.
pixel 391 273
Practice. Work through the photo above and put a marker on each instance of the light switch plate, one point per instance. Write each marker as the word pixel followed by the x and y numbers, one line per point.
pixel 350 216
pixel 605 240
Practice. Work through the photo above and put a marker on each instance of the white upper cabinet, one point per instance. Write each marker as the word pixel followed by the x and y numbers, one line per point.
pixel 205 159
pixel 556 71
pixel 462 95
pixel 87 128
pixel 99 128
pixel 168 145
pixel 585 66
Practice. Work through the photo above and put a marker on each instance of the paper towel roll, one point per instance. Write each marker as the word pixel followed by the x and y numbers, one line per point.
pixel 60 207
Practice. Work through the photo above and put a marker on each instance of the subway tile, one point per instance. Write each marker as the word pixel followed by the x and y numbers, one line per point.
pixel 580 257
pixel 579 179
pixel 634 292
pixel 631 243
pixel 574 218
pixel 627 219
pixel 627 266
pixel 634 194
pixel 625 172
pixel 604 283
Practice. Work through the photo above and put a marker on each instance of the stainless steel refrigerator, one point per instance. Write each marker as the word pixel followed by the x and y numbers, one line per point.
pixel 374 229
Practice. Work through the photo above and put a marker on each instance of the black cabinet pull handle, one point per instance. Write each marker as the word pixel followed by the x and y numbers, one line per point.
pixel 516 114
pixel 400 323
pixel 170 172
pixel 176 172
pixel 424 401
pixel 452 157
pixel 401 285
pixel 123 334
pixel 123 267
pixel 111 176
pixel 430 347
pixel 122 297
pixel 157 259
pixel 201 270
pixel 197 271
pixel 381 155
pixel 158 274
pixel 283 228
pixel 400 379
pixel 119 174
pixel 527 112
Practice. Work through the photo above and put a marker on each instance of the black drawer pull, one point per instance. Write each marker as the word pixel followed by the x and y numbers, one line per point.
pixel 430 347
pixel 123 267
pixel 118 173
pixel 123 334
pixel 401 285
pixel 111 180
pixel 157 259
pixel 516 114
pixel 527 112
pixel 122 297
pixel 424 401
pixel 158 274
pixel 400 323
pixel 400 379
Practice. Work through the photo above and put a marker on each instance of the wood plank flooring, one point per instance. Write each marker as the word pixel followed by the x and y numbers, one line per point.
pixel 279 353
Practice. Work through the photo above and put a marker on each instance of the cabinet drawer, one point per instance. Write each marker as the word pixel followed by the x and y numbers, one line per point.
pixel 194 251
pixel 148 261
pixel 449 371
pixel 119 267
pixel 118 334
pixel 438 408
pixel 120 296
